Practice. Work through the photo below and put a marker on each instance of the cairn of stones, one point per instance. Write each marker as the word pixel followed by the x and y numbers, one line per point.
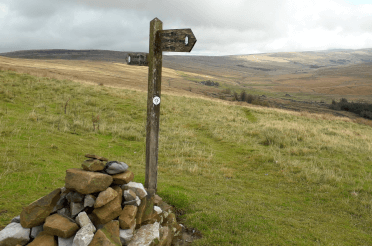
pixel 99 205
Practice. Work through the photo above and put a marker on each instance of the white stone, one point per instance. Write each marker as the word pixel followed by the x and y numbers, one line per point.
pixel 14 234
pixel 165 214
pixel 145 235
pixel 129 195
pixel 126 236
pixel 84 236
pixel 138 201
pixel 82 220
pixel 137 188
pixel 158 209
pixel 65 241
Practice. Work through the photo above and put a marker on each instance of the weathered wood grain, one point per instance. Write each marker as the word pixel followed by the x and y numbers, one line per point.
pixel 138 59
pixel 153 111
pixel 173 40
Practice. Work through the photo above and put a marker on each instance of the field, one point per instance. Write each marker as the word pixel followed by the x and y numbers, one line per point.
pixel 238 173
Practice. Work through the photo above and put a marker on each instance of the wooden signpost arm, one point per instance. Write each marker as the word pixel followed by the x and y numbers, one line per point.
pixel 153 105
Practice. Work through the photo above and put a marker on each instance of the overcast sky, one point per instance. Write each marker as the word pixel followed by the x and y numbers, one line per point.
pixel 221 27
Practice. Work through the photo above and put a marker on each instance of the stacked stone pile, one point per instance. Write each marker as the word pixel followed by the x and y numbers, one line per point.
pixel 99 205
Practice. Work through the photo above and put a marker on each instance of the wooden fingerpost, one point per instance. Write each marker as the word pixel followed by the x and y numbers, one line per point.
pixel 153 106
pixel 174 40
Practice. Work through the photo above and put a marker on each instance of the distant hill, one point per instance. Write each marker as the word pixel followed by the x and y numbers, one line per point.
pixel 250 64
pixel 289 80
pixel 269 63
pixel 94 55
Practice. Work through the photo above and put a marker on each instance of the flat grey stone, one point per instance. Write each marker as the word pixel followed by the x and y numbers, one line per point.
pixel 114 167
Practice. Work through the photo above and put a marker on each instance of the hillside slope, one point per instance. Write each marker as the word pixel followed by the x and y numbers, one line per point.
pixel 239 174
pixel 299 81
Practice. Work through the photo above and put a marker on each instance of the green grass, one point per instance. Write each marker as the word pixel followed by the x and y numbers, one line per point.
pixel 244 175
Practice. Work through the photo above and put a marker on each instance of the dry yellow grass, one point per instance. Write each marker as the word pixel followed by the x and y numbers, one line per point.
pixel 336 85
pixel 261 58
pixel 118 75
pixel 298 57
pixel 99 73
pixel 349 82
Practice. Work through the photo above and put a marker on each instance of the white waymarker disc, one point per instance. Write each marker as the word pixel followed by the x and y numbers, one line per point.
pixel 156 100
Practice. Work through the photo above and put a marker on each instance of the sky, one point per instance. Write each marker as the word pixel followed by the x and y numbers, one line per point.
pixel 221 27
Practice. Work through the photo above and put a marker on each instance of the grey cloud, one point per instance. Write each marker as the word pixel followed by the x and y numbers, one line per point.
pixel 37 8
pixel 240 15
pixel 220 26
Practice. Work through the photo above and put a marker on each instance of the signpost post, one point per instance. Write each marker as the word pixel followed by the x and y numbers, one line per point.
pixel 174 40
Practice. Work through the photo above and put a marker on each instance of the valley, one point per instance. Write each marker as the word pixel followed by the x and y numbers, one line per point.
pixel 298 81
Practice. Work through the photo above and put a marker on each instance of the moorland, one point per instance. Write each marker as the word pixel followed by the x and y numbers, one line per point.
pixel 239 173
pixel 299 81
